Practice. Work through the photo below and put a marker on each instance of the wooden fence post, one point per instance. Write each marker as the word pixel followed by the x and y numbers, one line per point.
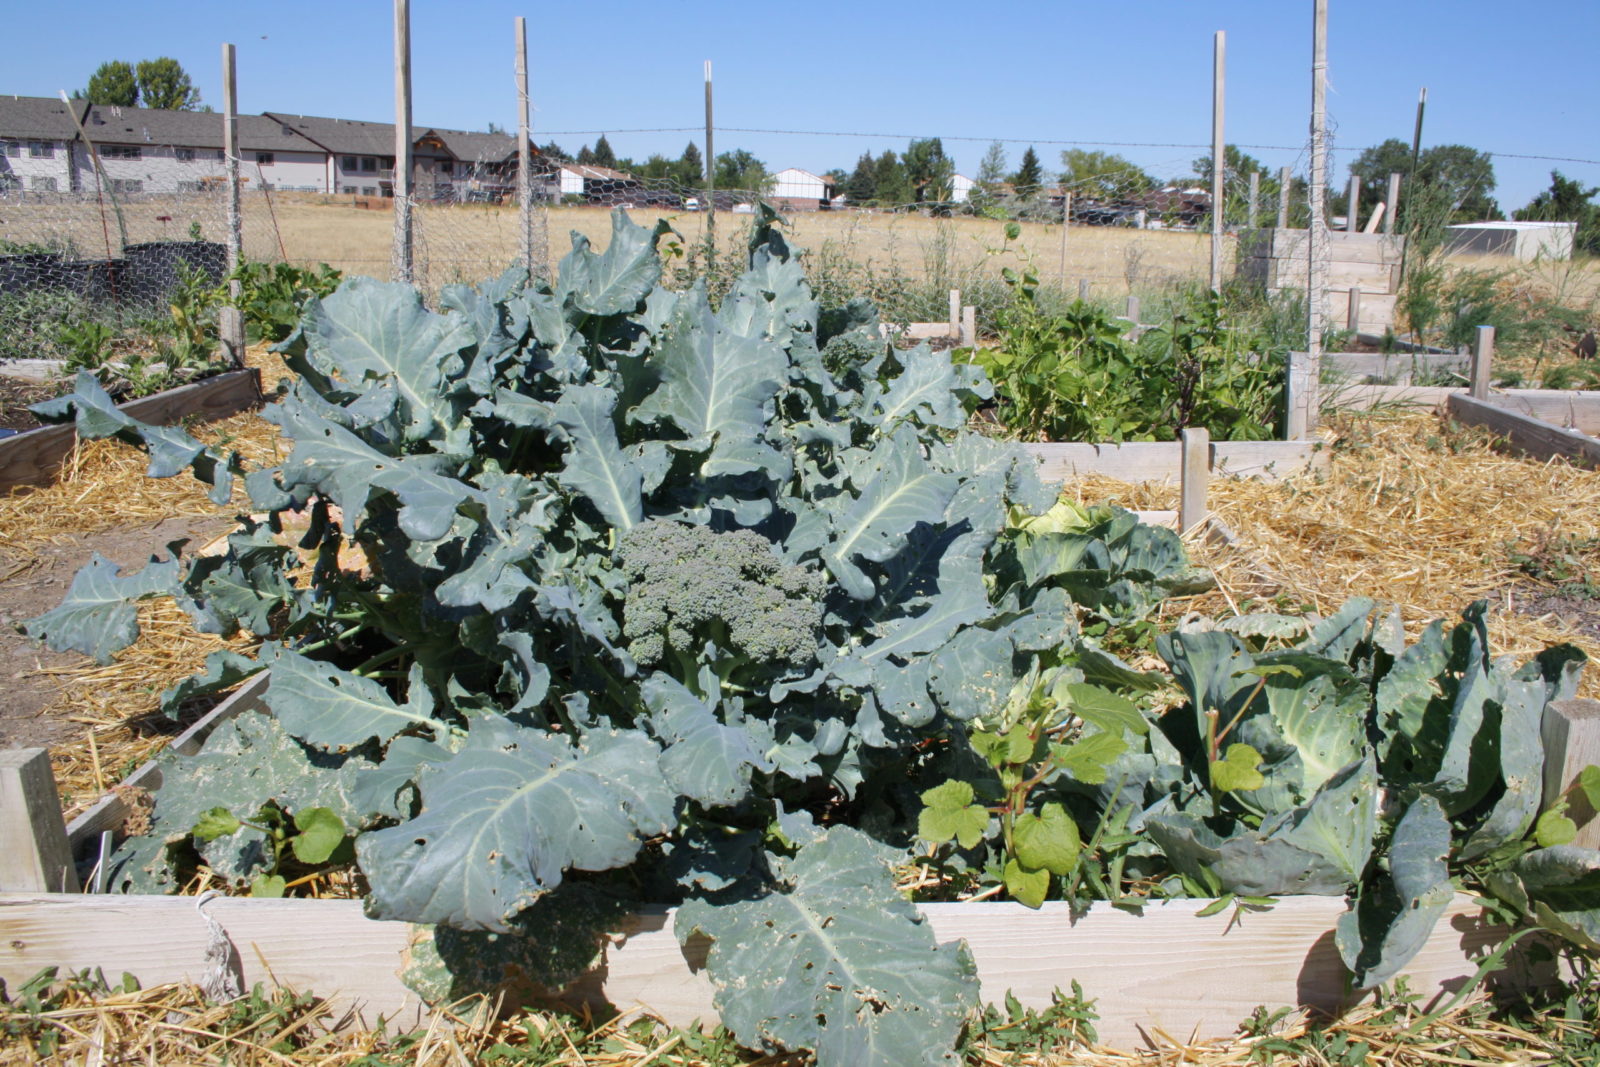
pixel 1353 198
pixel 1353 318
pixel 1571 735
pixel 1196 461
pixel 230 321
pixel 403 262
pixel 955 313
pixel 969 326
pixel 1394 203
pixel 1300 397
pixel 34 857
pixel 1133 318
pixel 1283 198
pixel 1482 358
pixel 1083 289
pixel 1251 212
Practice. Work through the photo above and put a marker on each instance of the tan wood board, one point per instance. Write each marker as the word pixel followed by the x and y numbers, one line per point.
pixel 1527 434
pixel 1166 970
pixel 1161 461
pixel 32 458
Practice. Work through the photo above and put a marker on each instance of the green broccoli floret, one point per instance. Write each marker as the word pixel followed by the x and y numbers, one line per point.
pixel 689 585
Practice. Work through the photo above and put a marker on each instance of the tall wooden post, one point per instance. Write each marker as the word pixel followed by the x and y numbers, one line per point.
pixel 1353 201
pixel 1066 224
pixel 402 266
pixel 524 154
pixel 1219 159
pixel 1353 310
pixel 711 183
pixel 1300 397
pixel 230 322
pixel 1284 177
pixel 1251 213
pixel 1394 203
pixel 1317 233
pixel 1195 454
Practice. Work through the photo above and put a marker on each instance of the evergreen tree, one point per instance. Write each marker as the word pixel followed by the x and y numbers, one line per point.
pixel 1029 174
pixel 889 184
pixel 555 153
pixel 114 84
pixel 1567 201
pixel 691 165
pixel 586 156
pixel 992 170
pixel 164 84
pixel 929 171
pixel 603 156
pixel 862 184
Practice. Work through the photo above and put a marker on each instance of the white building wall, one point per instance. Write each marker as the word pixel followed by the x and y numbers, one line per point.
pixel 571 182
pixel 362 174
pixel 798 184
pixel 960 188
pixel 34 166
pixel 288 170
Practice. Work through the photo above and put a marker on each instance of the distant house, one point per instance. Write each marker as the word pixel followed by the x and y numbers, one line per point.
pixel 1520 240
pixel 794 189
pixel 596 185
pixel 147 150
pixel 445 164
pixel 36 138
pixel 960 188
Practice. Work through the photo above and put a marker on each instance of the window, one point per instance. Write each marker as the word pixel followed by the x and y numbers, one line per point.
pixel 42 149
pixel 222 155
pixel 188 187
pixel 348 163
pixel 369 165
pixel 121 151
pixel 119 185
pixel 264 159
pixel 42 185
pixel 348 190
pixel 13 148
pixel 183 155
pixel 367 190
pixel 387 163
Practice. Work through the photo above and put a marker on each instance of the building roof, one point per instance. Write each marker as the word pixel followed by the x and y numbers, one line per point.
pixel 40 118
pixel 1513 226
pixel 590 172
pixel 108 124
pixel 470 147
pixel 355 137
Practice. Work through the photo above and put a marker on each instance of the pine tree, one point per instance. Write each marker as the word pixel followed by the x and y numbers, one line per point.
pixel 862 184
pixel 603 156
pixel 1028 175
pixel 691 165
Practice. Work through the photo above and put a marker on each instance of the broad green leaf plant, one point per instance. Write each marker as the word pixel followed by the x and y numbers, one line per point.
pixel 601 595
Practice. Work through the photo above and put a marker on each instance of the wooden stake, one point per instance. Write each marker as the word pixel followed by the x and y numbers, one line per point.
pixel 1196 449
pixel 34 857
pixel 230 323
pixel 1353 202
pixel 1219 159
pixel 1317 233
pixel 711 184
pixel 402 266
pixel 955 313
pixel 1482 358
pixel 1393 202
pixel 524 154
pixel 1133 317
pixel 1066 224
pixel 1353 312
pixel 1300 397
pixel 1284 178
pixel 1571 735
pixel 969 326
pixel 1083 289
pixel 1255 197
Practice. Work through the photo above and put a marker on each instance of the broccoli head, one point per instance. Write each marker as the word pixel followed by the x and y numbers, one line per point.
pixel 689 585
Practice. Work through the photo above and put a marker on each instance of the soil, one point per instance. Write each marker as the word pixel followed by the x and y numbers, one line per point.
pixel 30 714
pixel 1535 600
pixel 15 396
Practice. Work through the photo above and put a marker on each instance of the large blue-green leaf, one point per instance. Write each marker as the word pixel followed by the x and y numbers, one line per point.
pixel 1563 886
pixel 1396 912
pixel 1319 711
pixel 899 490
pixel 596 465
pixel 705 760
pixel 616 280
pixel 98 616
pixel 836 961
pixel 333 708
pixel 503 819
pixel 924 390
pixel 371 333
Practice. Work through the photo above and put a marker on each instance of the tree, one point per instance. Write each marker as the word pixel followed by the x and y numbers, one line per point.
pixel 495 127
pixel 691 165
pixel 740 169
pixel 1029 174
pixel 603 155
pixel 1452 179
pixel 585 156
pixel 889 182
pixel 992 169
pixel 862 184
pixel 1237 167
pixel 164 84
pixel 1567 201
pixel 1102 175
pixel 929 171
pixel 113 84
pixel 555 153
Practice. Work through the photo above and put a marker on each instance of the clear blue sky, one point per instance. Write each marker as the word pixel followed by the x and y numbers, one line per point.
pixel 1514 79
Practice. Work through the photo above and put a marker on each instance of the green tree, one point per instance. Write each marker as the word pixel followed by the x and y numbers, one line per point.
pixel 691 165
pixel 113 84
pixel 1102 175
pixel 555 153
pixel 603 155
pixel 1453 179
pixel 585 156
pixel 1238 166
pixel 740 169
pixel 164 84
pixel 992 169
pixel 863 182
pixel 889 182
pixel 1028 175
pixel 1567 201
pixel 929 171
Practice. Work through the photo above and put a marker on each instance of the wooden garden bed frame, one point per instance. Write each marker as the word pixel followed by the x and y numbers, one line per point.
pixel 33 457
pixel 1165 973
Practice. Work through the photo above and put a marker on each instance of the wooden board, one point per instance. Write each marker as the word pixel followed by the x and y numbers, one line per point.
pixel 1371 278
pixel 32 458
pixel 1352 397
pixel 1167 971
pixel 109 812
pixel 1527 434
pixel 1342 247
pixel 1570 409
pixel 1394 368
pixel 1161 461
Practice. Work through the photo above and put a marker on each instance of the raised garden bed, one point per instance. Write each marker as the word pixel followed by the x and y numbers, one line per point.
pixel 1542 423
pixel 33 457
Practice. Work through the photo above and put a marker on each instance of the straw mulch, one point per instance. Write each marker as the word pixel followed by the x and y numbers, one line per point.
pixel 1412 512
pixel 174 1024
